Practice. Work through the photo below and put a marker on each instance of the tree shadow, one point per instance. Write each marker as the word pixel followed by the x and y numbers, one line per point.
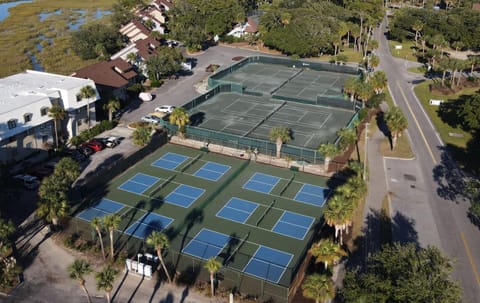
pixel 448 112
pixel 382 126
pixel 197 118
pixel 379 230
pixel 451 185
pixel 193 217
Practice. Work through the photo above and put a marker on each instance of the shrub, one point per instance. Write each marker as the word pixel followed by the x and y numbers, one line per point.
pixel 156 83
pixel 362 114
pixel 136 88
pixel 375 100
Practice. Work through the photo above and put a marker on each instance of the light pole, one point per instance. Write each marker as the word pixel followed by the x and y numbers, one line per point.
pixel 365 154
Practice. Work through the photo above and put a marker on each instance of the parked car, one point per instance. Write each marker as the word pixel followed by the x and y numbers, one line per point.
pixel 165 109
pixel 111 142
pixel 85 150
pixel 28 181
pixel 95 145
pixel 151 119
pixel 77 155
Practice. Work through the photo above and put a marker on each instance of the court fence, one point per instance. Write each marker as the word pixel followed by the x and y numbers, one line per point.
pixel 189 270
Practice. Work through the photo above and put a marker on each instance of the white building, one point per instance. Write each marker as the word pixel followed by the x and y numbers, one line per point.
pixel 25 98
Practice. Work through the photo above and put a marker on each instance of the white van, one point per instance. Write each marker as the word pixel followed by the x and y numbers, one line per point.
pixel 435 102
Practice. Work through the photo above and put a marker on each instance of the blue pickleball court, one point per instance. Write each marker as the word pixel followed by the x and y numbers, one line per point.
pixel 206 244
pixel 103 208
pixel 170 161
pixel 150 222
pixel 237 210
pixel 312 194
pixel 262 183
pixel 293 225
pixel 139 183
pixel 268 264
pixel 212 171
pixel 184 195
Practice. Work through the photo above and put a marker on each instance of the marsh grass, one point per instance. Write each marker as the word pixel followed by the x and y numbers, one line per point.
pixel 22 30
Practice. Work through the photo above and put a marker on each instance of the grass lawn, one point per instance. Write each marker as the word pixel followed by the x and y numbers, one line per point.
pixel 424 95
pixel 352 56
pixel 417 70
pixel 23 33
pixel 406 52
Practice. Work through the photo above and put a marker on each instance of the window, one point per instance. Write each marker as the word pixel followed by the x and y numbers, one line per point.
pixel 12 123
pixel 79 122
pixel 44 139
pixel 27 117
pixel 44 111
pixel 28 145
pixel 79 98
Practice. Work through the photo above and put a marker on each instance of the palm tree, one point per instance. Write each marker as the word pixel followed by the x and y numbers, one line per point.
pixel 396 123
pixel 378 81
pixel 212 266
pixel 98 224
pixel 87 92
pixel 105 279
pixel 318 287
pixel 67 170
pixel 327 252
pixel 77 270
pixel 179 117
pixel 141 135
pixel 160 241
pixel 53 211
pixel 417 27
pixel 132 58
pixel 58 114
pixel 112 105
pixel 347 136
pixel 280 135
pixel 350 86
pixel 7 229
pixel 339 215
pixel 329 150
pixel 111 222
pixel 473 60
pixel 364 91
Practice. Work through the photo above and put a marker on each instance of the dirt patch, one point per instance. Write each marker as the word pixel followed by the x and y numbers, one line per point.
pixel 446 90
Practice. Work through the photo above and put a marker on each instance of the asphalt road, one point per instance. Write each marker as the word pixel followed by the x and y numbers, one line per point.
pixel 427 203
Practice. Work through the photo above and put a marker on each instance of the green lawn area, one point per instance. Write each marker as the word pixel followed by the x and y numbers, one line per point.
pixel 22 34
pixel 406 52
pixel 352 56
pixel 424 95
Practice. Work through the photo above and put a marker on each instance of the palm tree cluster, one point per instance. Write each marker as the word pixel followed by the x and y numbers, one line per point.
pixel 109 223
pixel 344 201
pixel 104 278
pixel 53 191
pixel 8 264
pixel 365 87
pixel 319 287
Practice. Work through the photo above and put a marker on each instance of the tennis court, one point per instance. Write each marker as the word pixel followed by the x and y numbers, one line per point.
pixel 139 183
pixel 184 195
pixel 145 225
pixel 262 183
pixel 237 210
pixel 268 263
pixel 206 244
pixel 212 171
pixel 293 225
pixel 100 210
pixel 170 161
pixel 311 194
